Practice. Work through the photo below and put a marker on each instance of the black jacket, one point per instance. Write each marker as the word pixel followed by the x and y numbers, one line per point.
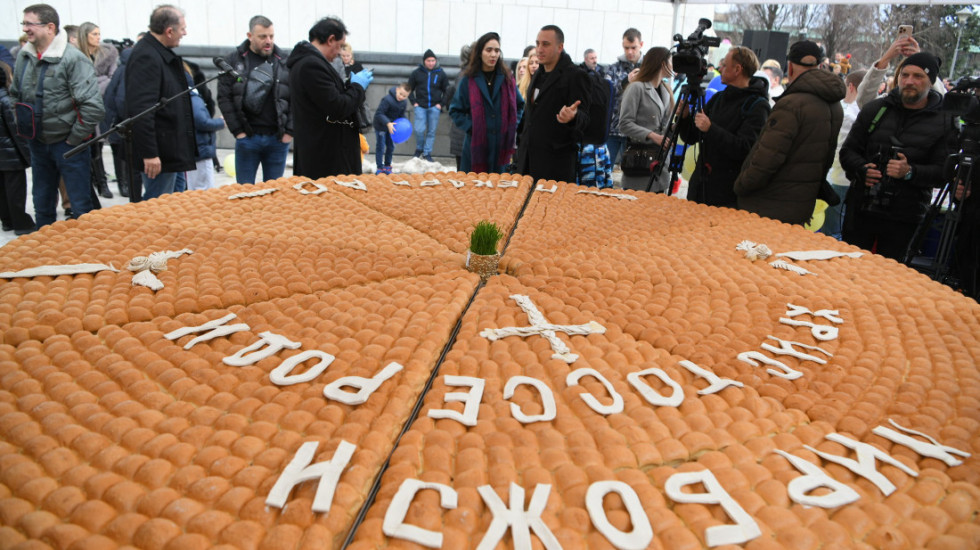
pixel 737 116
pixel 231 90
pixel 783 171
pixel 325 137
pixel 14 154
pixel 389 110
pixel 921 132
pixel 114 97
pixel 153 72
pixel 548 149
pixel 428 87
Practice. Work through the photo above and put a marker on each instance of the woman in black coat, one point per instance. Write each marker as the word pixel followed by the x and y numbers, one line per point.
pixel 325 123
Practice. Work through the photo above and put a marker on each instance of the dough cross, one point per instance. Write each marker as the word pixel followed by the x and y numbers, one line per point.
pixel 541 327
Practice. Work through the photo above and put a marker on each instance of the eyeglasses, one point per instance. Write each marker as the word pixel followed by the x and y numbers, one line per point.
pixel 29 24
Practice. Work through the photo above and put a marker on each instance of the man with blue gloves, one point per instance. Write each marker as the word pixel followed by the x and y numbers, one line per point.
pixel 325 123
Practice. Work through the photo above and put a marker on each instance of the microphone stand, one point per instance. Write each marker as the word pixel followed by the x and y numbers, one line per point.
pixel 125 129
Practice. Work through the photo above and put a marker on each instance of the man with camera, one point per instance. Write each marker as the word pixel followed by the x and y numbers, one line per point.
pixel 893 157
pixel 727 128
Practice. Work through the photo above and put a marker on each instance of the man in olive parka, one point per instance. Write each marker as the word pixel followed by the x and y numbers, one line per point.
pixel 69 109
pixel 782 175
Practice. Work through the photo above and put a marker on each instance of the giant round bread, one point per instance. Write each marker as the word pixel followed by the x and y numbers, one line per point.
pixel 319 370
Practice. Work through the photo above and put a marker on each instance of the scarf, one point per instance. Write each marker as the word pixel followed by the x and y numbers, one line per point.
pixel 479 148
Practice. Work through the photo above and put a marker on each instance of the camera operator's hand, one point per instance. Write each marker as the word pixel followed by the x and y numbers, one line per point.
pixel 633 74
pixel 702 121
pixel 871 174
pixel 960 189
pixel 898 168
pixel 682 108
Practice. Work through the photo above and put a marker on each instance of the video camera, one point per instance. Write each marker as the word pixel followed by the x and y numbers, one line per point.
pixel 878 198
pixel 120 44
pixel 962 103
pixel 959 177
pixel 688 59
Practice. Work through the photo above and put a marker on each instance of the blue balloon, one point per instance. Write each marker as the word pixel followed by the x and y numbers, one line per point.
pixel 403 130
pixel 717 84
pixel 714 87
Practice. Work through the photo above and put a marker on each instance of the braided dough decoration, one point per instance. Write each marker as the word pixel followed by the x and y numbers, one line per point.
pixel 145 267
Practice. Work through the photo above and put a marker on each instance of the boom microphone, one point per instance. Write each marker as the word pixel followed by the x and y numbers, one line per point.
pixel 226 67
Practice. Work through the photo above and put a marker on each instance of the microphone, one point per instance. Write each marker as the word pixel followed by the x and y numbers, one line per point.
pixel 226 67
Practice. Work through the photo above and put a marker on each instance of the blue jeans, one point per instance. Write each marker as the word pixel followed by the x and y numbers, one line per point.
pixel 267 150
pixel 160 185
pixel 47 165
pixel 384 147
pixel 426 122
pixel 614 144
pixel 180 182
pixel 834 215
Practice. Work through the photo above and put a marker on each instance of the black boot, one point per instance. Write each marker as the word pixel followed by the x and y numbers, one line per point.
pixel 123 183
pixel 103 188
pixel 98 175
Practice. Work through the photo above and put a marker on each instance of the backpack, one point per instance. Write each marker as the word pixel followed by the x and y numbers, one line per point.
pixel 601 95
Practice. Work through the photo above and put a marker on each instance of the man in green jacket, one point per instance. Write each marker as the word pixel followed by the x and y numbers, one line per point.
pixel 65 114
pixel 782 175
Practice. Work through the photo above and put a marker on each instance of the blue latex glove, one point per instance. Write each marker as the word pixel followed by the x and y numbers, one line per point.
pixel 363 78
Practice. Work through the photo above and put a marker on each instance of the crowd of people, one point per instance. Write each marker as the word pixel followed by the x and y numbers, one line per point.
pixel 774 140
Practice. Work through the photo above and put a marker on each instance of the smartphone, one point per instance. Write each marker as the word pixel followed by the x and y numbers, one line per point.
pixel 904 31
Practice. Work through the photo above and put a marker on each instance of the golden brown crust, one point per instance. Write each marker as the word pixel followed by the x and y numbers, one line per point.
pixel 113 434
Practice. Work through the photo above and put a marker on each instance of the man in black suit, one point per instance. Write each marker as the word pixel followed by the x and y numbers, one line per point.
pixel 556 112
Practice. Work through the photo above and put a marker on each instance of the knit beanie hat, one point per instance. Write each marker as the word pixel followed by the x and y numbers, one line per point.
pixel 427 54
pixel 927 62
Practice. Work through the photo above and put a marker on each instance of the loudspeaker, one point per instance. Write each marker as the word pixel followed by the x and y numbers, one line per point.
pixel 768 45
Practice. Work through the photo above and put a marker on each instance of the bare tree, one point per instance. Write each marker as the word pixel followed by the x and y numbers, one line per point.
pixel 804 17
pixel 934 26
pixel 847 28
pixel 769 17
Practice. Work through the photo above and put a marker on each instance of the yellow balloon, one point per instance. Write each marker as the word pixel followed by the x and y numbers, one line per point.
pixel 229 164
pixel 819 216
pixel 690 162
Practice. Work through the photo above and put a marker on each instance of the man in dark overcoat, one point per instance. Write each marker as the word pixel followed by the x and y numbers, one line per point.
pixel 555 112
pixel 325 124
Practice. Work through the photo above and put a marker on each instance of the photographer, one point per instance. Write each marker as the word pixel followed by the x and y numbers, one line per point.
pixel 893 157
pixel 728 128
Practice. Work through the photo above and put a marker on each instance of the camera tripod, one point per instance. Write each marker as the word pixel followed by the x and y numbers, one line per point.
pixel 692 95
pixel 938 267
